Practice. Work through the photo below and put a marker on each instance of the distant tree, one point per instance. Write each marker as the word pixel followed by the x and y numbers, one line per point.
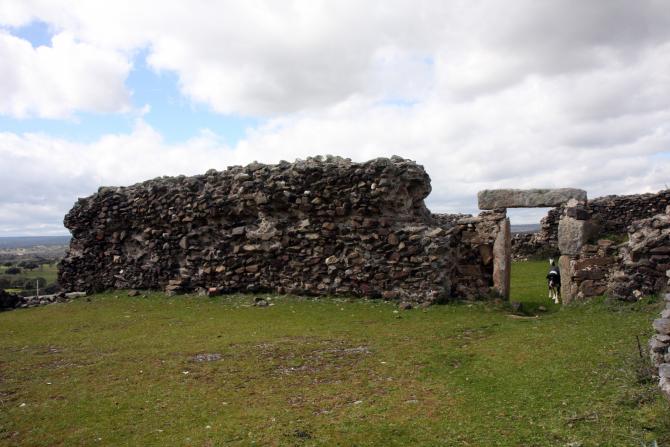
pixel 30 265
pixel 8 264
pixel 13 271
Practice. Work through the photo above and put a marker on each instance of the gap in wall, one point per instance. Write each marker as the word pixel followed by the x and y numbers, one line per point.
pixel 529 283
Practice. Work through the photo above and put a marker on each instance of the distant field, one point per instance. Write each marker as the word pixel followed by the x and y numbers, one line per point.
pixel 525 228
pixel 32 241
pixel 48 271
pixel 200 371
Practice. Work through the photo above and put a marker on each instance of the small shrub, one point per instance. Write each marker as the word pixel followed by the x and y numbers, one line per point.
pixel 13 271
pixel 644 370
pixel 29 265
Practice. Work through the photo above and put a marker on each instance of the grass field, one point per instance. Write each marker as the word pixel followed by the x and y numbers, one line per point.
pixel 206 372
pixel 47 271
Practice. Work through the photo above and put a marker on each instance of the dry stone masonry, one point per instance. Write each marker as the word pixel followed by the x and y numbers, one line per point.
pixel 320 226
pixel 625 270
pixel 659 347
pixel 644 260
pixel 612 215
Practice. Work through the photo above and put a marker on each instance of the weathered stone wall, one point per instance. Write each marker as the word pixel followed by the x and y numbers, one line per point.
pixel 321 226
pixel 544 243
pixel 612 214
pixel 644 259
pixel 479 255
pixel 589 271
pixel 659 347
pixel 625 271
pixel 615 214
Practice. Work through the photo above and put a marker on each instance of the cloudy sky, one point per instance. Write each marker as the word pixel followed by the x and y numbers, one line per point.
pixel 484 94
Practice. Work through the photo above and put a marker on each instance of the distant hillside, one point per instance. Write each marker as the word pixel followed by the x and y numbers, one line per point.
pixel 33 241
pixel 528 228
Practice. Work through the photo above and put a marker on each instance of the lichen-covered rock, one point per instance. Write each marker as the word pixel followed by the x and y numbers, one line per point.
pixel 320 226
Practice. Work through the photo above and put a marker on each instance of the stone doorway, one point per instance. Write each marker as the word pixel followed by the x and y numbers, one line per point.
pixel 573 229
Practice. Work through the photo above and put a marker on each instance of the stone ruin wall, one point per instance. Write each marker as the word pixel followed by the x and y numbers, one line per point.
pixel 659 347
pixel 623 270
pixel 644 269
pixel 644 260
pixel 593 254
pixel 315 227
pixel 544 243
pixel 613 215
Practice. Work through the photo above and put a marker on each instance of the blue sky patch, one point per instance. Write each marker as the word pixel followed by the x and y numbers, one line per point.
pixel 173 115
pixel 36 32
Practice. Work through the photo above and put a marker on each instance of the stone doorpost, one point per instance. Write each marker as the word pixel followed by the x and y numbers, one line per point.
pixel 502 259
pixel 574 230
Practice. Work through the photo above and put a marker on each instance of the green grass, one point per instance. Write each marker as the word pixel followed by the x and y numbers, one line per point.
pixel 529 286
pixel 120 371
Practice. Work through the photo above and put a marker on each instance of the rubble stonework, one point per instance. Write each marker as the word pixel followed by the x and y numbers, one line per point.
pixel 320 226
pixel 588 273
pixel 659 347
pixel 612 214
pixel 644 260
pixel 481 246
pixel 615 214
pixel 9 301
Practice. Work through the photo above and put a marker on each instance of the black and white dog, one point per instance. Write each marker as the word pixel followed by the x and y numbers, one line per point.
pixel 554 280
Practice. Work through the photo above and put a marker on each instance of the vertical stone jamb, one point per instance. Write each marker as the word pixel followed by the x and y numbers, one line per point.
pixel 565 265
pixel 502 258
pixel 574 230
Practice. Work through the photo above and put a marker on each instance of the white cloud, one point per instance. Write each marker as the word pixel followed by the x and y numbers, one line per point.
pixel 274 57
pixel 484 94
pixel 464 148
pixel 56 81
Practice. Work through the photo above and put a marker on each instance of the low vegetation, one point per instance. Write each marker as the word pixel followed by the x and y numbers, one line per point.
pixel 22 277
pixel 115 370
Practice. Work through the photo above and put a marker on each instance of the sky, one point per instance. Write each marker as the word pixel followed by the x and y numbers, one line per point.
pixel 483 93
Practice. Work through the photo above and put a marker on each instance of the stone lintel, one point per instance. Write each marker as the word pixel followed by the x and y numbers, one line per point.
pixel 527 198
